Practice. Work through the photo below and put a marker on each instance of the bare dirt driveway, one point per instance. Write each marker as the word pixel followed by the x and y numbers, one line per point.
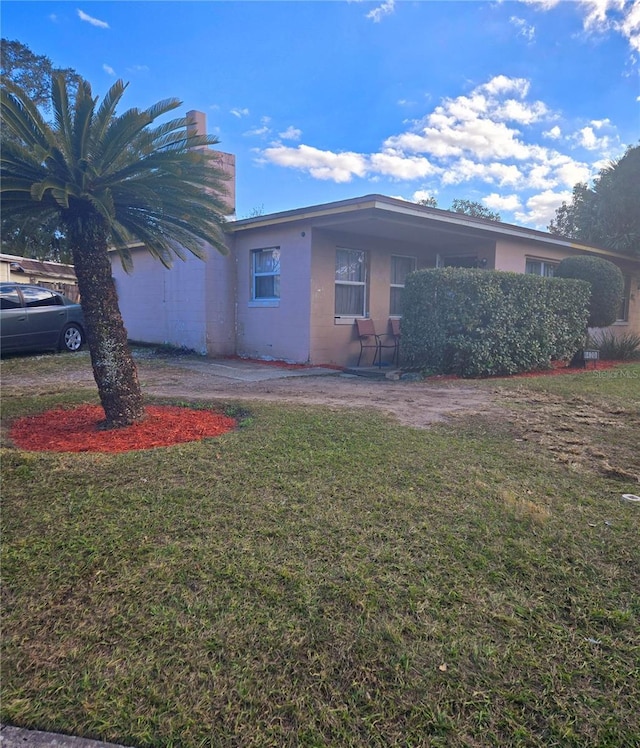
pixel 414 403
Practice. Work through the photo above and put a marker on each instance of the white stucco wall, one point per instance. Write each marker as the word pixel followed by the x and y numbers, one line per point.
pixel 161 305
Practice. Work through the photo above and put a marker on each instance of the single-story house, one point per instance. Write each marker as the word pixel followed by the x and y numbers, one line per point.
pixel 54 275
pixel 294 282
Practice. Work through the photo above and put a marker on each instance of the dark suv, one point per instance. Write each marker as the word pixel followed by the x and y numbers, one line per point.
pixel 33 318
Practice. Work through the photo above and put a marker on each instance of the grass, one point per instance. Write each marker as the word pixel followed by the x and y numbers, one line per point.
pixel 331 578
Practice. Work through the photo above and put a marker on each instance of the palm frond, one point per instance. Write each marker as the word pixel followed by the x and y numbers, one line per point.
pixel 118 138
pixel 161 108
pixel 62 113
pixel 22 117
pixel 82 121
pixel 105 113
pixel 155 183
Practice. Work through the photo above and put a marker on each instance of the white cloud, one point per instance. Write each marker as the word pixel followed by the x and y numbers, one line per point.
pixel 402 167
pixel 597 13
pixel 261 131
pixel 569 172
pixel 502 202
pixel 489 139
pixel 587 138
pixel 524 29
pixel 554 133
pixel 377 14
pixel 240 112
pixel 524 114
pixel 93 21
pixel 541 208
pixel 544 4
pixel 482 124
pixel 419 195
pixel 291 133
pixel 502 84
pixel 466 170
pixel 630 26
pixel 258 131
pixel 339 167
pixel 108 69
pixel 603 16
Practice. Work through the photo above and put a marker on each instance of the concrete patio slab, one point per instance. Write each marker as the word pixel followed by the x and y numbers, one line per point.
pixel 249 371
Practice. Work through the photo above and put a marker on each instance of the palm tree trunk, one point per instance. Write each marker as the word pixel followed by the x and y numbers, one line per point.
pixel 113 366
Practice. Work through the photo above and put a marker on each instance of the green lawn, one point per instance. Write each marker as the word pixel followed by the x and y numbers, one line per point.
pixel 323 578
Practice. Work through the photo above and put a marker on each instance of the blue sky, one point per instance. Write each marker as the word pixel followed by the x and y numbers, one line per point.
pixel 505 103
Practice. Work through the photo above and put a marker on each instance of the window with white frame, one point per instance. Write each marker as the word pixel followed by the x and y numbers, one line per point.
pixel 400 268
pixel 265 274
pixel 351 282
pixel 540 267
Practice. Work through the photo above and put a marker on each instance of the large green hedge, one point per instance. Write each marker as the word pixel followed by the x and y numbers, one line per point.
pixel 478 323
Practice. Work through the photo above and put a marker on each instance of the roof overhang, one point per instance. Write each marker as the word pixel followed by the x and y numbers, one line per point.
pixel 387 217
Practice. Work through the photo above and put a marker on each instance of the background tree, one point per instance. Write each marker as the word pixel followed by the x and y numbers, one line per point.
pixel 108 180
pixel 607 214
pixel 429 202
pixel 33 74
pixel 474 209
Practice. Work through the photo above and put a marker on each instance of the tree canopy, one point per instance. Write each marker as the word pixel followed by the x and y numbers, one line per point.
pixel 33 73
pixel 606 214
pixel 467 207
pixel 474 209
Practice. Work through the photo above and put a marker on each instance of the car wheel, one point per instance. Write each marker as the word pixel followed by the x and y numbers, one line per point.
pixel 72 338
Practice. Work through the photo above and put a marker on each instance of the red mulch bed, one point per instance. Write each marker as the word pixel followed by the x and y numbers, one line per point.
pixel 557 367
pixel 77 429
pixel 561 367
pixel 283 364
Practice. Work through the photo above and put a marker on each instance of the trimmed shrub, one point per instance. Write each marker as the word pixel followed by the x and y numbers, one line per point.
pixel 607 286
pixel 480 323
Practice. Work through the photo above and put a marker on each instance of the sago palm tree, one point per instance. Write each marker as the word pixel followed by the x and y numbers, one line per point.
pixel 109 180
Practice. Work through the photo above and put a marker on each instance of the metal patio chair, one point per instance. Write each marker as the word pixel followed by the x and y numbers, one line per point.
pixel 370 339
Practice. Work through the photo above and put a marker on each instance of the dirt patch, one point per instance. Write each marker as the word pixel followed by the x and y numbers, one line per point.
pixel 418 404
pixel 579 433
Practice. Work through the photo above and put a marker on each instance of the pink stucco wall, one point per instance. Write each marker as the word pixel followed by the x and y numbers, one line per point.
pixel 512 255
pixel 278 330
pixel 335 341
pixel 207 306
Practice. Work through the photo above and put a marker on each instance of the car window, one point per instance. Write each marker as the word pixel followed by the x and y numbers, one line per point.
pixel 39 297
pixel 10 299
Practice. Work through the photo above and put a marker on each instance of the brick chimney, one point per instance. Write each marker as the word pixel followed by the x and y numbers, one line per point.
pixel 197 125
